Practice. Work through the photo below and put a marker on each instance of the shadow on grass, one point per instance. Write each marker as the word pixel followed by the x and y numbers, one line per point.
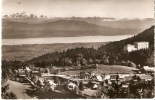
pixel 59 95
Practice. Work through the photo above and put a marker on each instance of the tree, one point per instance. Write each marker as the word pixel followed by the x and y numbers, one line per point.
pixel 47 70
pixel 32 16
pixel 76 90
pixel 27 73
pixel 131 64
pixel 57 81
pixel 90 61
pixel 5 16
pixel 81 87
pixel 84 61
pixel 106 61
pixel 34 79
pixel 4 74
pixel 42 16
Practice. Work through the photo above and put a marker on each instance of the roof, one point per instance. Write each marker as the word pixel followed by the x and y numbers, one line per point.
pixel 143 76
pixel 21 70
pixel 35 71
pixel 99 78
pixel 46 74
pixel 73 84
pixel 113 76
pixel 148 69
pixel 141 42
pixel 128 78
pixel 55 71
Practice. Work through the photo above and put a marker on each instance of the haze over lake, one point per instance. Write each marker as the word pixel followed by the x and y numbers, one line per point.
pixel 51 40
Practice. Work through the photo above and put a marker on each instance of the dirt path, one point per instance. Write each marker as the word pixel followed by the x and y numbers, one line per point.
pixel 19 89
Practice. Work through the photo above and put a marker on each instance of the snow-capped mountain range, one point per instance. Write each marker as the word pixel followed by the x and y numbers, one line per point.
pixel 27 15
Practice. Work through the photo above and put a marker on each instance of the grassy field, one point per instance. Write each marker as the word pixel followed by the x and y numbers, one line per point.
pixel 26 52
pixel 105 69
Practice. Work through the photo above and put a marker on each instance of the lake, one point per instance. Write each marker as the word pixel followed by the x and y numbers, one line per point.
pixel 51 40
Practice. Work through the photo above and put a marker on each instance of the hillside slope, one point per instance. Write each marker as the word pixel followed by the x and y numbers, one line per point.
pixel 111 53
pixel 115 50
pixel 147 35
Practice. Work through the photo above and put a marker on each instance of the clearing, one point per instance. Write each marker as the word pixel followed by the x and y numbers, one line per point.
pixel 20 89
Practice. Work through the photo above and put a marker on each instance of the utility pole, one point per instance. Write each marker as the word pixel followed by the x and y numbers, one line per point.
pixel 97 68
pixel 117 79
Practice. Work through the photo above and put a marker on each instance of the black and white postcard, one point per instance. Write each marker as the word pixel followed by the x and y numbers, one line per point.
pixel 77 49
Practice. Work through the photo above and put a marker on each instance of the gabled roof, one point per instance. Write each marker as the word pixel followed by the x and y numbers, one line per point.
pixel 143 76
pixel 35 71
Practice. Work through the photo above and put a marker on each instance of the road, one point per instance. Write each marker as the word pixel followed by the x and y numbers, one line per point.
pixel 19 89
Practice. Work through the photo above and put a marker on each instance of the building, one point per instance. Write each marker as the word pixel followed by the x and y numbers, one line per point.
pixel 130 48
pixel 144 77
pixel 141 45
pixel 136 46
pixel 114 78
pixel 21 72
pixel 147 69
pixel 35 72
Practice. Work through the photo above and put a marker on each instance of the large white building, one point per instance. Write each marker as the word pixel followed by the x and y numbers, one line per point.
pixel 141 45
pixel 130 48
pixel 136 46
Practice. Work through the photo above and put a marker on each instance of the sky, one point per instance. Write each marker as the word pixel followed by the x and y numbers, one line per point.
pixel 82 8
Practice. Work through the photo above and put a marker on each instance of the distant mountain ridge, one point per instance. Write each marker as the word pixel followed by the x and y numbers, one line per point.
pixel 25 15
pixel 56 25
pixel 125 23
pixel 59 28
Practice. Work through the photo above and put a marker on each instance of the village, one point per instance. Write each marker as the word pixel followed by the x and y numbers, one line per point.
pixel 48 83
pixel 88 80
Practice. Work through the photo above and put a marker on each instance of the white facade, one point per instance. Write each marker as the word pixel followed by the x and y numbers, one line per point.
pixel 130 48
pixel 137 46
pixel 141 45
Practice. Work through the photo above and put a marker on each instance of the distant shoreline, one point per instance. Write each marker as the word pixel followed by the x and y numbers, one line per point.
pixel 52 40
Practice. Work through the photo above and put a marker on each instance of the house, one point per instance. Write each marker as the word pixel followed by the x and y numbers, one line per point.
pixel 99 78
pixel 21 72
pixel 107 77
pixel 125 85
pixel 147 69
pixel 51 84
pixel 71 86
pixel 56 72
pixel 114 77
pixel 84 75
pixel 144 77
pixel 35 72
pixel 40 81
pixel 92 85
pixel 128 78
pixel 136 46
